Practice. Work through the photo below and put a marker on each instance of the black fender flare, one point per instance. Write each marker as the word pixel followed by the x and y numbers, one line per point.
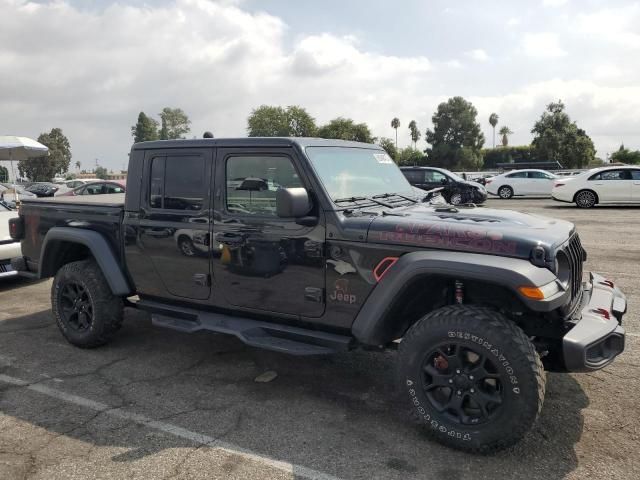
pixel 370 325
pixel 97 245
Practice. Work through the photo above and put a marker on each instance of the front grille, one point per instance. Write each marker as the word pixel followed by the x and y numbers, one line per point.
pixel 575 255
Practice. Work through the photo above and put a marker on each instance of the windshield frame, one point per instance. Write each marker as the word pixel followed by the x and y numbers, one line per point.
pixel 409 192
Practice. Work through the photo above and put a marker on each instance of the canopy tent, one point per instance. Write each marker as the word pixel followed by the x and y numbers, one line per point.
pixel 20 148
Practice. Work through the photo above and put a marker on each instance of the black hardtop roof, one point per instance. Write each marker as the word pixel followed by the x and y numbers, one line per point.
pixel 302 142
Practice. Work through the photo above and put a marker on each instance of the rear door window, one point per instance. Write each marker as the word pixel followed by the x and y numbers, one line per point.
pixel 177 182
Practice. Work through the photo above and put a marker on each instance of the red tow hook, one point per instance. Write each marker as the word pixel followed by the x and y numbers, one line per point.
pixel 606 283
pixel 602 312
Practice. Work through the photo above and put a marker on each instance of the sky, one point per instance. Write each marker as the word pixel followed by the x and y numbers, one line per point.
pixel 90 66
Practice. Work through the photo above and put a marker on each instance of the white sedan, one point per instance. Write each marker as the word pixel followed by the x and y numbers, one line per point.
pixel 600 185
pixel 9 248
pixel 531 182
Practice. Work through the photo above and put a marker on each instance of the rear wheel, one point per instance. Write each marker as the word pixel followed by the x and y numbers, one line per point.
pixel 585 199
pixel 472 377
pixel 86 311
pixel 505 192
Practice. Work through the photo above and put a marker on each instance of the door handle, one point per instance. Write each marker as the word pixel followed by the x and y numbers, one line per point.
pixel 230 239
pixel 598 183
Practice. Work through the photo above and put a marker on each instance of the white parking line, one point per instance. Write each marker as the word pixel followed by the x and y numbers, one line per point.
pixel 176 431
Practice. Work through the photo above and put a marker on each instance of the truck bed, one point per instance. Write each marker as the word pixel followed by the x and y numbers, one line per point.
pixel 101 213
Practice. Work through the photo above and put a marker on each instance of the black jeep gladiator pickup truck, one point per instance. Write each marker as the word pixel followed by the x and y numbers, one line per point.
pixel 310 246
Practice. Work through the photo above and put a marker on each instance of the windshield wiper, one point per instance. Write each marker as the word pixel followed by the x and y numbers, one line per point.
pixel 359 199
pixel 387 195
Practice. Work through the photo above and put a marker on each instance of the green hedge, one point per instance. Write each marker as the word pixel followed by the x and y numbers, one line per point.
pixel 493 156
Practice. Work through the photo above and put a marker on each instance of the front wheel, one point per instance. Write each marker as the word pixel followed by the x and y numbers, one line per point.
pixel 472 377
pixel 456 198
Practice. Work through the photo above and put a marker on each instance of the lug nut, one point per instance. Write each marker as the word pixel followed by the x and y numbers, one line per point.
pixel 458 372
pixel 450 381
pixel 459 392
pixel 472 391
pixel 470 377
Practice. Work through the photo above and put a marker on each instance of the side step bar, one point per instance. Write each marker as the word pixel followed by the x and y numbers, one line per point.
pixel 256 333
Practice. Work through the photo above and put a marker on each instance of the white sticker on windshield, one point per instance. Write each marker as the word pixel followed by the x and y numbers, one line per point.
pixel 382 158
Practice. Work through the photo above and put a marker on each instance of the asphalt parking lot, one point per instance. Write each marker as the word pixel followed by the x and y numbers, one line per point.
pixel 160 404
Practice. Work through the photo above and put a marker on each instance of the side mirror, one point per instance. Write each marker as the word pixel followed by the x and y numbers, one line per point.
pixel 444 181
pixel 292 202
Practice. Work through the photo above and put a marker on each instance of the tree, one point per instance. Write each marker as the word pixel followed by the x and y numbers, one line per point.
pixel 415 132
pixel 301 124
pixel 410 156
pixel 624 155
pixel 395 123
pixel 456 139
pixel 269 121
pixel 101 173
pixel 505 132
pixel 389 147
pixel 78 164
pixel 145 129
pixel 4 174
pixel 346 129
pixel 557 138
pixel 493 120
pixel 175 124
pixel 44 169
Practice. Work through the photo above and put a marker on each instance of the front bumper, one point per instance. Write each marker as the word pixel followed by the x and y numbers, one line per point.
pixel 597 337
pixel 8 251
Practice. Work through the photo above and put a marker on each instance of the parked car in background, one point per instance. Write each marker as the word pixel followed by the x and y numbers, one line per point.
pixel 529 182
pixel 101 187
pixel 42 189
pixel 73 184
pixel 8 193
pixel 599 186
pixel 9 248
pixel 456 190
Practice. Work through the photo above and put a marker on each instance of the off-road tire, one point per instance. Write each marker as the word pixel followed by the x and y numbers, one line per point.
pixel 505 192
pixel 107 310
pixel 585 199
pixel 500 341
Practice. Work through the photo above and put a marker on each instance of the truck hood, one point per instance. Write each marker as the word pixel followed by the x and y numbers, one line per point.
pixel 479 230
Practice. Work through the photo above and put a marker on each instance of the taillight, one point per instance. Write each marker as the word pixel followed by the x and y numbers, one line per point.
pixel 16 228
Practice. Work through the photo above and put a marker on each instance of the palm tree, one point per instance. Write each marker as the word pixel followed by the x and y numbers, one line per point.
pixel 415 133
pixel 395 123
pixel 505 132
pixel 493 120
pixel 78 164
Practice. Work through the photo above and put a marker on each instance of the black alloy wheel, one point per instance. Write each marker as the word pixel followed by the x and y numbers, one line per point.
pixel 462 383
pixel 76 306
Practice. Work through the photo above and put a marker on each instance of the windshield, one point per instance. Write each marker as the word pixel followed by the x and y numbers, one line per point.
pixel 349 172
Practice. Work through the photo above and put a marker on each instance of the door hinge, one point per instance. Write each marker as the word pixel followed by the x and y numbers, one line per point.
pixel 313 294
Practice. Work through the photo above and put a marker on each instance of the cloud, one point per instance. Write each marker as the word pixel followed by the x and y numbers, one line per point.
pixel 542 45
pixel 478 54
pixel 554 3
pixel 614 26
